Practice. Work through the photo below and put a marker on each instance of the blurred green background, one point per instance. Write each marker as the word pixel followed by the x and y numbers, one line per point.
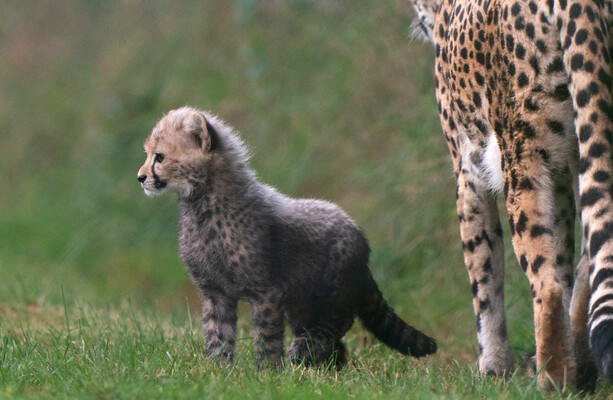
pixel 334 99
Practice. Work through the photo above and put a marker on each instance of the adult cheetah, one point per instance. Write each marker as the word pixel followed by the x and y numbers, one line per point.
pixel 523 90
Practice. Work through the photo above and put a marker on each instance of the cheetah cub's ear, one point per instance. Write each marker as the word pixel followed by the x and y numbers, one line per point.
pixel 204 133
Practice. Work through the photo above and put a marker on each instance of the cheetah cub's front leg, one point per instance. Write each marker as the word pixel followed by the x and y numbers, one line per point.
pixel 220 317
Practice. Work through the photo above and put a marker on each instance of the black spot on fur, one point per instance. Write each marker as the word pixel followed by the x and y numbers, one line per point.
pixel 585 132
pixel 583 98
pixel 575 10
pixel 597 149
pixel 526 128
pixel 537 264
pixel 584 165
pixel 576 62
pixel 590 197
pixel 523 262
pixel 530 105
pixel 604 106
pixel 539 230
pixel 601 176
pixel 522 224
pixel 534 63
pixel 581 36
pixel 557 65
pixel 520 23
pixel 561 93
pixel 487 267
pixel 530 32
pixel 604 77
pixel 510 43
pixel 556 127
pixel 481 126
pixel 526 184
pixel 515 9
pixel 477 99
pixel 571 28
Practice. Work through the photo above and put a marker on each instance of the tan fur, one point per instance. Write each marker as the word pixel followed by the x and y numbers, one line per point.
pixel 536 74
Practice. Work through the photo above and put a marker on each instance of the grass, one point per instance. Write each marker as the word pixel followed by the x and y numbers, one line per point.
pixel 335 101
pixel 124 353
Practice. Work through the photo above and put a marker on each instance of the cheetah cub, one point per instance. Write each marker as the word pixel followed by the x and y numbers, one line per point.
pixel 295 260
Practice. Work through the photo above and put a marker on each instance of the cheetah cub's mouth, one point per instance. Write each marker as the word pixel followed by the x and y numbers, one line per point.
pixel 153 192
pixel 152 185
pixel 156 188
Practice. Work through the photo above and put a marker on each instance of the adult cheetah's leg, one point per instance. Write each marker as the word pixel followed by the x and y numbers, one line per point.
pixel 579 303
pixel 483 254
pixel 586 369
pixel 481 235
pixel 584 33
pixel 564 231
pixel 538 243
pixel 574 289
pixel 268 328
pixel 219 317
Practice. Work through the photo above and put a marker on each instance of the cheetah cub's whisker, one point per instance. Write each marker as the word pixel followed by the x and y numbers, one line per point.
pixel 304 262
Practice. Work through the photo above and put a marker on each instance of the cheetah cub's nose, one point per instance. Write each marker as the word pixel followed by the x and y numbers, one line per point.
pixel 142 178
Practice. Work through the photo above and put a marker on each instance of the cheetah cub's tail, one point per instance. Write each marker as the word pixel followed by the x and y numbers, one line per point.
pixel 380 319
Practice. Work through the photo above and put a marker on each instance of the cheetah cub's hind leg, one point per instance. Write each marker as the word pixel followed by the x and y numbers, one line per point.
pixel 321 343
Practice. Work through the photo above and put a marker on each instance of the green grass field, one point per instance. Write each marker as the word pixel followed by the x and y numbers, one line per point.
pixel 335 101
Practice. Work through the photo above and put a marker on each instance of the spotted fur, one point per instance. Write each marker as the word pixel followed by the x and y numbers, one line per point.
pixel 524 95
pixel 299 261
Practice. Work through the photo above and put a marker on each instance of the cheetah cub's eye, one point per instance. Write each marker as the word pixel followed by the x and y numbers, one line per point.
pixel 159 157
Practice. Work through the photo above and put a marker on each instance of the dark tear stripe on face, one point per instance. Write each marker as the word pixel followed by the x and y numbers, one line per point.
pixel 159 184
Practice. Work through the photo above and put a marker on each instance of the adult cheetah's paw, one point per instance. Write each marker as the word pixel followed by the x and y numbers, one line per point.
pixel 499 363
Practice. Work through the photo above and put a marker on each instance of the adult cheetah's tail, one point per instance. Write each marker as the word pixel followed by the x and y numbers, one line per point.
pixel 584 28
pixel 379 318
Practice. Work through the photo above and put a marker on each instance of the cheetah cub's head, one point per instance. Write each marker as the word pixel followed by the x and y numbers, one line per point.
pixel 179 151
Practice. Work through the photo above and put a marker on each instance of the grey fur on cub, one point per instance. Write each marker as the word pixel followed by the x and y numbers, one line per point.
pixel 304 262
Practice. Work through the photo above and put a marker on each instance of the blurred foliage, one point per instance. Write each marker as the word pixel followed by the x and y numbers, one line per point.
pixel 333 97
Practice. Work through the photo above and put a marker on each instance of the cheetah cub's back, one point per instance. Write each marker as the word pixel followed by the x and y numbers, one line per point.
pixel 296 261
